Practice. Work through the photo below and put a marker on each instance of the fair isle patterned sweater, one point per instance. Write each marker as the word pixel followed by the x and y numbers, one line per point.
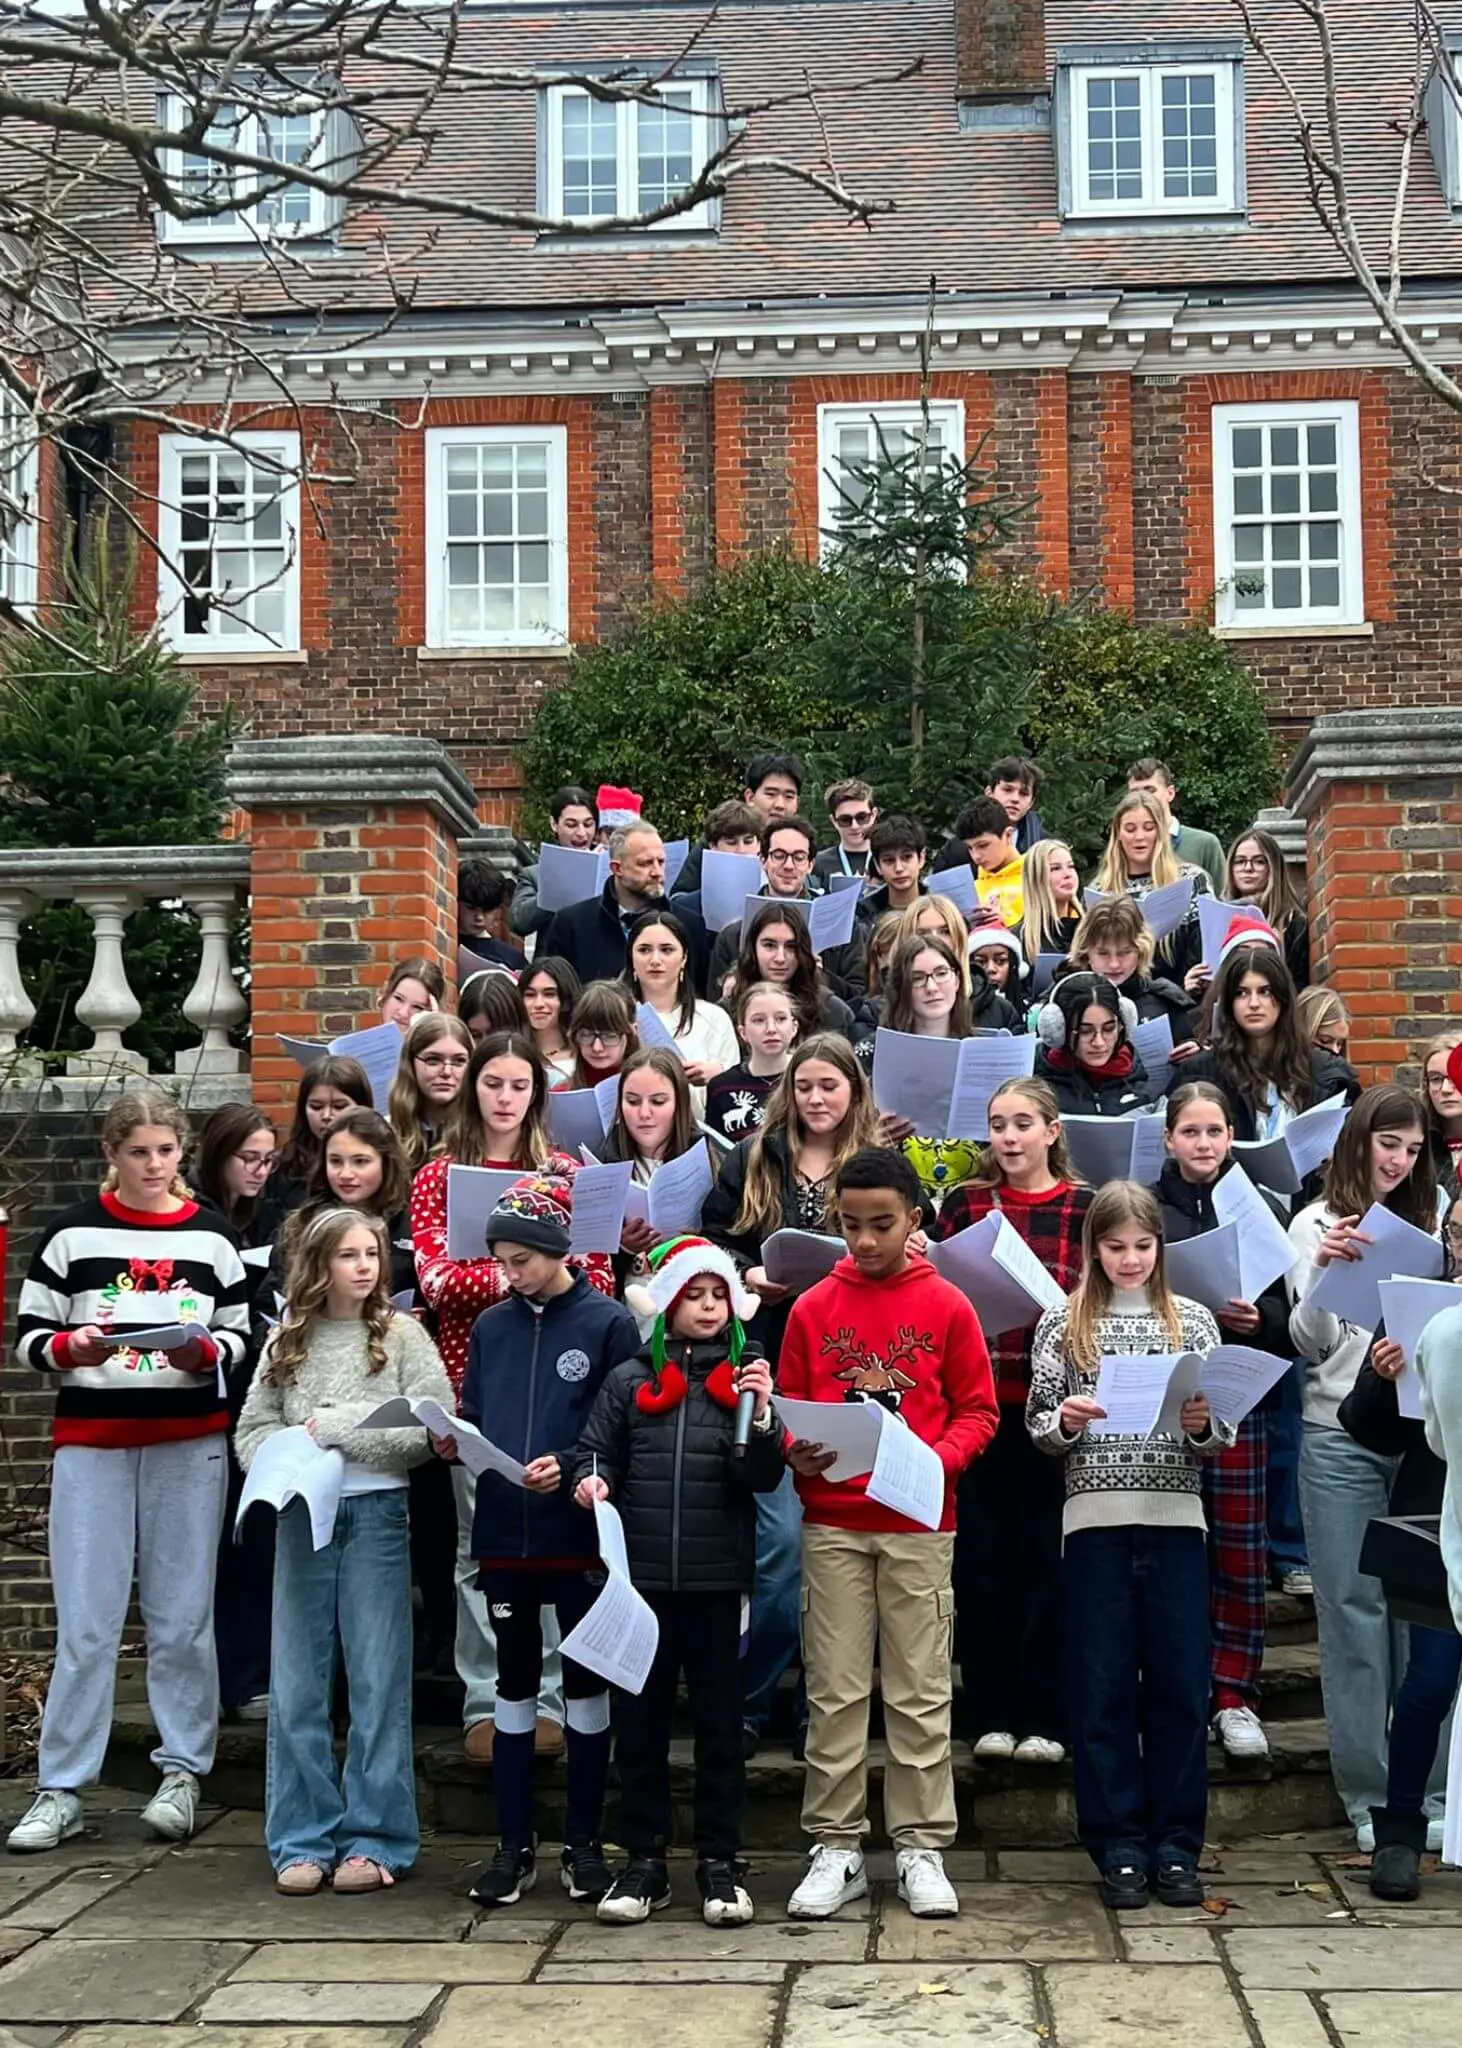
pixel 1115 1481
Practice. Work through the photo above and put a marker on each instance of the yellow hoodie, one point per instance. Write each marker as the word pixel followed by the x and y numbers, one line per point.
pixel 1003 888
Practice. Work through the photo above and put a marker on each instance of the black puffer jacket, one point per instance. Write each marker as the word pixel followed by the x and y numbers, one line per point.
pixel 1330 1075
pixel 1081 1091
pixel 688 1507
pixel 1187 1211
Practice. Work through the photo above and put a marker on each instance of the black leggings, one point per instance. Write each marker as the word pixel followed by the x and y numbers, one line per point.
pixel 513 1603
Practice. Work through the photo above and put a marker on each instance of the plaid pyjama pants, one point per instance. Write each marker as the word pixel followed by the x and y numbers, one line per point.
pixel 1234 1499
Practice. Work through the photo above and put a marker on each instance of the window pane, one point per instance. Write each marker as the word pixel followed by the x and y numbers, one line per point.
pixel 533 512
pixel 1324 491
pixel 1321 442
pixel 1248 494
pixel 1286 596
pixel 1249 593
pixel 1325 589
pixel 1247 444
pixel 1114 138
pixel 1248 543
pixel 1285 543
pixel 1284 447
pixel 461 515
pixel 1324 540
pixel 590 157
pixel 1284 492
pixel 667 149
pixel 533 563
pixel 1190 132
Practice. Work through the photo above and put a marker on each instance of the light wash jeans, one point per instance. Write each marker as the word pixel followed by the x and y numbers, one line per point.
pixel 1363 1650
pixel 351 1599
pixel 475 1649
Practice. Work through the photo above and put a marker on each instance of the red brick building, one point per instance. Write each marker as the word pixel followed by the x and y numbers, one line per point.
pixel 1134 309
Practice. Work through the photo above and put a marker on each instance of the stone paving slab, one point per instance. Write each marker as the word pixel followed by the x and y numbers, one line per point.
pixel 748 1971
pixel 230 1892
pixel 71 1895
pixel 1379 2019
pixel 1287 2019
pixel 780 1941
pixel 883 2004
pixel 1022 1922
pixel 1045 1866
pixel 1347 1959
pixel 1147 1940
pixel 1163 2007
pixel 1260 1905
pixel 238 2037
pixel 65 1981
pixel 392 1962
pixel 607 2016
pixel 362 2004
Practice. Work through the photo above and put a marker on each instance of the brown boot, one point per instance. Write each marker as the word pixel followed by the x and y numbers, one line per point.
pixel 548 1738
pixel 477 1742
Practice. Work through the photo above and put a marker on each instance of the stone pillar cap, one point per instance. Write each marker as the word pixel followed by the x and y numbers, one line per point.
pixel 1408 742
pixel 350 772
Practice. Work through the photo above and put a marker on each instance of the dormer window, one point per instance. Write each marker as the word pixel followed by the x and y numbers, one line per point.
pixel 607 159
pixel 1150 131
pixel 318 139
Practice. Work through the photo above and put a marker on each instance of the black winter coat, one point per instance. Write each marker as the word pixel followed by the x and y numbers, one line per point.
pixel 688 1506
pixel 1330 1075
pixel 590 936
pixel 1371 1415
pixel 1077 1094
pixel 1187 1211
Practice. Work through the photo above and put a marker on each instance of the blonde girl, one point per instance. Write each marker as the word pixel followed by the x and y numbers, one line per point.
pixel 339 1351
pixel 415 986
pixel 1052 889
pixel 434 1059
pixel 1139 858
pixel 139 1473
pixel 1135 1565
pixel 767 1025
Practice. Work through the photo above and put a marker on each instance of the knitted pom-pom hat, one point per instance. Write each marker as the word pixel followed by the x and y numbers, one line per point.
pixel 673 1265
pixel 535 1211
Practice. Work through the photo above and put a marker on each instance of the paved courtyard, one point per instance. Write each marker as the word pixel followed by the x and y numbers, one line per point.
pixel 117 1942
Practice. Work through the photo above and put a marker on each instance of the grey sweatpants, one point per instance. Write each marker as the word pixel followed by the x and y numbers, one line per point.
pixel 159 1508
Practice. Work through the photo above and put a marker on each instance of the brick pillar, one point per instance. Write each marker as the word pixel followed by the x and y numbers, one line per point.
pixel 1381 796
pixel 353 845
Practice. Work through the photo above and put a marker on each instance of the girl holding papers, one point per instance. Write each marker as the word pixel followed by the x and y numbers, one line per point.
pixel 1087 1058
pixel 1007 1546
pixel 433 1067
pixel 361 1166
pixel 1257 1053
pixel 653 1123
pixel 549 990
pixel 1052 901
pixel 1139 858
pixel 1113 939
pixel 1258 874
pixel 658 971
pixel 140 1465
pixel 1136 1564
pixel 339 1352
pixel 767 1026
pixel 927 996
pixel 1200 1136
pixel 776 947
pixel 1380 1157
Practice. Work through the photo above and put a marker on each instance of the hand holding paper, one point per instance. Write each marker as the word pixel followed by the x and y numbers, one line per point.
pixel 620 1634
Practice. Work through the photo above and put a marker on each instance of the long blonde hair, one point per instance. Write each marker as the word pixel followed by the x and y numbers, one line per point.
pixel 1119 1202
pixel 1112 876
pixel 1041 1098
pixel 409 1111
pixel 308 1284
pixel 129 1113
pixel 956 931
pixel 1042 920
pixel 761 1195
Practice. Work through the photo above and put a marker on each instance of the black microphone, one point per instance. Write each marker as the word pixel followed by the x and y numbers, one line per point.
pixel 745 1412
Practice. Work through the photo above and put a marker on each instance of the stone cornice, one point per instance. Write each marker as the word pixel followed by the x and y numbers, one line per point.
pixel 1406 742
pixel 349 770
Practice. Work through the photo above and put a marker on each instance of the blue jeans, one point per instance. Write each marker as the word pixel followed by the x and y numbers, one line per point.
pixel 776 1600
pixel 1137 1648
pixel 353 1598
pixel 1287 1550
pixel 1428 1690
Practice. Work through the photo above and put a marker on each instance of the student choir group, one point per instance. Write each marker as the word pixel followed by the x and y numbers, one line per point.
pixel 1102 1593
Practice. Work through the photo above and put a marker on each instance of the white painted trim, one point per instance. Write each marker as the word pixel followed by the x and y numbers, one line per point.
pixel 627 114
pixel 1344 415
pixel 20 555
pixel 171 590
pixel 438 440
pixel 1152 203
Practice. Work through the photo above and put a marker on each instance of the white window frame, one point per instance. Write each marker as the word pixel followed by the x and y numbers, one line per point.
pixel 247 644
pixel 20 547
pixel 245 226
pixel 704 106
pixel 1344 415
pixel 949 412
pixel 555 440
pixel 1153 201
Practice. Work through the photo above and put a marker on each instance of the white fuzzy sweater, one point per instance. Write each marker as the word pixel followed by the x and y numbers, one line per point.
pixel 1439 1368
pixel 1333 1351
pixel 334 1390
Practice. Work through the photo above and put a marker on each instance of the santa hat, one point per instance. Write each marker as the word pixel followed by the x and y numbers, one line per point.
pixel 672 1267
pixel 618 806
pixel 536 1211
pixel 1454 1066
pixel 1247 928
pixel 987 929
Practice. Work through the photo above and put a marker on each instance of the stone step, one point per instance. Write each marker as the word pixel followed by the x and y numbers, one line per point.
pixel 1291 1682
pixel 999 1802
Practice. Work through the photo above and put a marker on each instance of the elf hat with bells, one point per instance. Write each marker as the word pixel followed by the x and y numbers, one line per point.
pixel 672 1267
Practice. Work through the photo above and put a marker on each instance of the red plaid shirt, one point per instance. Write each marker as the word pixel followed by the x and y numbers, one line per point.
pixel 1051 1226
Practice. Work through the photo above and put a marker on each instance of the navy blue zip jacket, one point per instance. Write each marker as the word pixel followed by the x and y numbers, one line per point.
pixel 533 1371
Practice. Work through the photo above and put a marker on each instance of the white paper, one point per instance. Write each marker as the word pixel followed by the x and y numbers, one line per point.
pixel 1044 971
pixel 654 1030
pixel 913 1077
pixel 1116 1147
pixel 1265 1252
pixel 677 853
pixel 1214 918
pixel 290 1465
pixel 851 1428
pixel 1236 1378
pixel 673 1201
pixel 858 882
pixel 570 874
pixel 598 1212
pixel 576 1116
pixel 796 906
pixel 1148 1147
pixel 800 1258
pixel 379 1052
pixel 620 1634
pixel 1132 1389
pixel 727 879
pixel 1306 1142
pixel 1206 1269
pixel 1408 1306
pixel 1350 1288
pixel 983 1067
pixel 996 1270
pixel 405 1300
pixel 1164 909
pixel 474 1451
pixel 258 1255
pixel 907 1475
pixel 473 1192
pixel 158 1336
pixel 1154 1043
pixel 956 886
pixel 1452 1824
pixel 830 919
pixel 304 1051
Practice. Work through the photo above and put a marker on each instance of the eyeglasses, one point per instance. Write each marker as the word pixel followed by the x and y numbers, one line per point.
pixel 799 859
pixel 443 1062
pixel 1250 860
pixel 935 978
pixel 850 821
pixel 1438 1082
pixel 583 1037
pixel 257 1162
pixel 1096 1034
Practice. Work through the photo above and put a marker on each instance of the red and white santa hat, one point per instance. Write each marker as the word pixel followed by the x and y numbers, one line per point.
pixel 618 806
pixel 1247 928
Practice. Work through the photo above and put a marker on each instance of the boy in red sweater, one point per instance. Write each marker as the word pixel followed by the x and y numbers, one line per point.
pixel 883 1324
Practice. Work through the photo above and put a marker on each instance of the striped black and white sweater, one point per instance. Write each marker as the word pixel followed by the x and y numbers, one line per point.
pixel 1113 1482
pixel 119 1269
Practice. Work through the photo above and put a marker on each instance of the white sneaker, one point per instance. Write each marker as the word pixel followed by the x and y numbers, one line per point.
pixel 1297 1582
pixel 255 1709
pixel 998 1743
pixel 834 1877
pixel 52 1818
pixel 172 1811
pixel 1240 1731
pixel 923 1887
pixel 1039 1749
pixel 1365 1837
pixel 1435 1828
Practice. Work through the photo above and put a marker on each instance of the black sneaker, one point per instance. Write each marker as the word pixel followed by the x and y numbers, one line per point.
pixel 725 1901
pixel 583 1872
pixel 641 1889
pixel 503 1881
pixel 1178 1884
pixel 1124 1886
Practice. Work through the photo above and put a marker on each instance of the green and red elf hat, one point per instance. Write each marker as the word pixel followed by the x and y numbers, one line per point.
pixel 672 1267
